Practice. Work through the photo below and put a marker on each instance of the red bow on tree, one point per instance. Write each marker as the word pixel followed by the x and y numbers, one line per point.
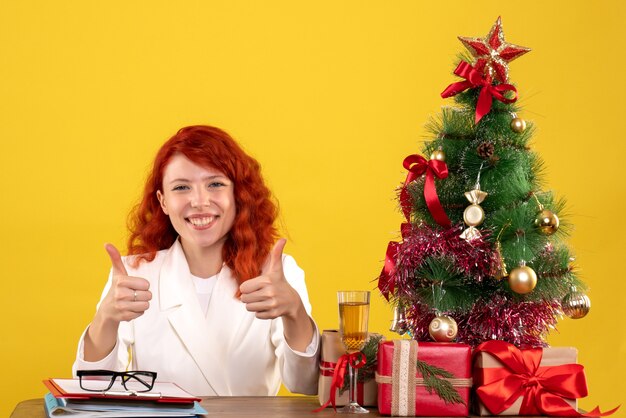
pixel 418 165
pixel 542 388
pixel 386 280
pixel 487 93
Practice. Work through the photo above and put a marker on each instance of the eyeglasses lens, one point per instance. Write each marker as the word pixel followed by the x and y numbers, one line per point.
pixel 138 381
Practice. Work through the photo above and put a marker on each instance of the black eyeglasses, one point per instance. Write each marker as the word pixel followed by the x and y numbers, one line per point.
pixel 103 380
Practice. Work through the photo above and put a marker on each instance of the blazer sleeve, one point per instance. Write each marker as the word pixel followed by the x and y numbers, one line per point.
pixel 299 370
pixel 119 357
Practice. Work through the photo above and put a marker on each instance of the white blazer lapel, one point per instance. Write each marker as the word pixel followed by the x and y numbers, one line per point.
pixel 178 295
pixel 227 314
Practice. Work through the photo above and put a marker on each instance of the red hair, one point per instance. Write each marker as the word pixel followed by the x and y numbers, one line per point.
pixel 253 232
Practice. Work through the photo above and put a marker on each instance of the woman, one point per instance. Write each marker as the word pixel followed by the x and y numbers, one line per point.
pixel 205 298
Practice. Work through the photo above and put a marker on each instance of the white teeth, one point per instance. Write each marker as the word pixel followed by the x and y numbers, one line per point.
pixel 201 221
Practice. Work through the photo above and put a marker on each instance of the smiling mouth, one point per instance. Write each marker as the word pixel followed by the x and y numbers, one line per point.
pixel 201 222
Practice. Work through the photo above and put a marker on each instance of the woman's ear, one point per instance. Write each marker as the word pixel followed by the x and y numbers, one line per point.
pixel 162 201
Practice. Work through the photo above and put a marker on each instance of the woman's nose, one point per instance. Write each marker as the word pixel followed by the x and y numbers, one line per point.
pixel 200 198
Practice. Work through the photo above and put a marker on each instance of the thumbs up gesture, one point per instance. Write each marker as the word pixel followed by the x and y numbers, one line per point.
pixel 270 295
pixel 128 298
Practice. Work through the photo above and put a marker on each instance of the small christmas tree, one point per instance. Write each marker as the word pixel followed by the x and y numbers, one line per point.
pixel 482 251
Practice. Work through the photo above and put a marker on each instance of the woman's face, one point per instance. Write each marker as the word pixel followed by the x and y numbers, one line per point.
pixel 200 203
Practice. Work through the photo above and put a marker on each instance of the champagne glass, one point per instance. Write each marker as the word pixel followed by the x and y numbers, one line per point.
pixel 353 314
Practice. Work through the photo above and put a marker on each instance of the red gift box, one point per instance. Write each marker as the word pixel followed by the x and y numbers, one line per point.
pixel 489 370
pixel 534 381
pixel 401 389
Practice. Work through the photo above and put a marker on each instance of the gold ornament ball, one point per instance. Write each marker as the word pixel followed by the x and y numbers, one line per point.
pixel 522 280
pixel 438 154
pixel 547 222
pixel 576 305
pixel 443 328
pixel 518 125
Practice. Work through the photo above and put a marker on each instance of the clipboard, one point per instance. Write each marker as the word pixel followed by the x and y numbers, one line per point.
pixel 162 392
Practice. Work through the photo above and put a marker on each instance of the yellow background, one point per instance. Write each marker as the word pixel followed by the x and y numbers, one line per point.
pixel 330 96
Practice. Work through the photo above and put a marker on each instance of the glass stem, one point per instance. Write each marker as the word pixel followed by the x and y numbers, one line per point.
pixel 353 386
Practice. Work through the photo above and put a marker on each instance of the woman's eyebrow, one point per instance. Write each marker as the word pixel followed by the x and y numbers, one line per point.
pixel 178 179
pixel 211 177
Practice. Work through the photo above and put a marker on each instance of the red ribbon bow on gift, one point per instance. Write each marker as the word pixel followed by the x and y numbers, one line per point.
pixel 356 360
pixel 543 388
pixel 488 91
pixel 418 165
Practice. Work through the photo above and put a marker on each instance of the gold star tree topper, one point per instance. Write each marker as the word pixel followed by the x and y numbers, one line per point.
pixel 493 53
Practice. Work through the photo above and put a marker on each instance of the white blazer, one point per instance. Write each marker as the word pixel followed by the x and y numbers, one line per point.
pixel 228 352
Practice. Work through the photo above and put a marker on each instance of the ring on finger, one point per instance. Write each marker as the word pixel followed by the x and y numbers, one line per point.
pixel 134 296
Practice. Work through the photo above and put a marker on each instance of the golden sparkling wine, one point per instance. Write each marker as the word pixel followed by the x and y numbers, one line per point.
pixel 353 322
pixel 353 315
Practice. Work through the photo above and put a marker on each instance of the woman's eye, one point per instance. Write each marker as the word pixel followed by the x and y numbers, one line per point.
pixel 216 184
pixel 180 187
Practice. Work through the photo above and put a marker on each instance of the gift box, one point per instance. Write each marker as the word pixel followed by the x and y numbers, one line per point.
pixel 332 351
pixel 510 381
pixel 405 390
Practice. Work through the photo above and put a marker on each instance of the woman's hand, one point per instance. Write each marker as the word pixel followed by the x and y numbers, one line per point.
pixel 271 296
pixel 128 298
